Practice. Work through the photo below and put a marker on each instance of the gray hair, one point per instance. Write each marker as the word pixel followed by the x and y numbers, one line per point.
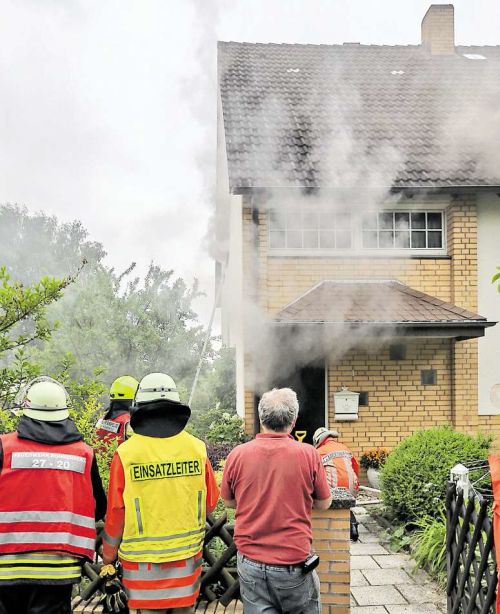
pixel 278 409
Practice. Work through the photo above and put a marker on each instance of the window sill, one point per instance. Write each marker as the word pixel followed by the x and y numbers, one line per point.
pixel 357 254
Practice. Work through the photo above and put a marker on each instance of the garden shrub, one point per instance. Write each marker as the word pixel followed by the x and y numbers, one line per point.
pixel 415 476
pixel 218 452
pixel 429 545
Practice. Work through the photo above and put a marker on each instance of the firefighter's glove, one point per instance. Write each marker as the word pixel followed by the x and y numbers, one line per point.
pixel 115 599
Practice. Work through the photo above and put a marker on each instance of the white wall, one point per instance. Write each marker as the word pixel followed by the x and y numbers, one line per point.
pixel 488 244
pixel 229 230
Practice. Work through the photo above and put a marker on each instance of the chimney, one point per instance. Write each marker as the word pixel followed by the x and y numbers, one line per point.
pixel 438 29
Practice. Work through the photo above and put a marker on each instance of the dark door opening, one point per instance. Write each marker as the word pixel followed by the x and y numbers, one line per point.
pixel 309 384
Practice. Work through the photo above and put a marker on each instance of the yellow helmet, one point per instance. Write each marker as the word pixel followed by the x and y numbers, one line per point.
pixel 123 387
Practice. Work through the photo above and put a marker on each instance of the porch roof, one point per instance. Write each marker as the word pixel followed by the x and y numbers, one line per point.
pixel 383 305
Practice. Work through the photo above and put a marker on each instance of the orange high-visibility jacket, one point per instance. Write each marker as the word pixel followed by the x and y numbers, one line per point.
pixel 342 469
pixel 47 501
pixel 494 462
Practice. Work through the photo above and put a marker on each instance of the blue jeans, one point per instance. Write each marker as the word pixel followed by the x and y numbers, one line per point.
pixel 271 589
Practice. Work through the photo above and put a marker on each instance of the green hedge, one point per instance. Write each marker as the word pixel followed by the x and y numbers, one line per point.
pixel 415 475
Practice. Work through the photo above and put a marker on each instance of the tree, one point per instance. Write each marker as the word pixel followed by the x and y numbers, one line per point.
pixel 496 278
pixel 116 323
pixel 128 325
pixel 23 321
pixel 35 245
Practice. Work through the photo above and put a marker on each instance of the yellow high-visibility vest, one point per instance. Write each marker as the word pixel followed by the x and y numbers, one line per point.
pixel 164 497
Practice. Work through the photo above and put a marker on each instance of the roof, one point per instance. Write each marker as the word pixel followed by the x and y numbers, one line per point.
pixel 323 116
pixel 377 303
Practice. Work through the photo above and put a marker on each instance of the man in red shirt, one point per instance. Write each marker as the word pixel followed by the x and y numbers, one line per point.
pixel 274 482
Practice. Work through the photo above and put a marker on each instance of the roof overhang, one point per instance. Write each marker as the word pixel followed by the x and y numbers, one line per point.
pixel 404 189
pixel 460 331
pixel 378 309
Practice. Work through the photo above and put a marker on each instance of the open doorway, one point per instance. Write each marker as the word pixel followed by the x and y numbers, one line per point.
pixel 309 384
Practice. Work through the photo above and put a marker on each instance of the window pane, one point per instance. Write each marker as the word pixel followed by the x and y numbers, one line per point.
pixel 311 239
pixel 386 239
pixel 294 238
pixel 344 221
pixel 417 220
pixel 277 219
pixel 327 239
pixel 402 239
pixel 309 218
pixel 418 239
pixel 370 238
pixel 343 239
pixel 435 239
pixel 434 220
pixel 293 220
pixel 370 222
pixel 385 221
pixel 327 218
pixel 276 239
pixel 402 221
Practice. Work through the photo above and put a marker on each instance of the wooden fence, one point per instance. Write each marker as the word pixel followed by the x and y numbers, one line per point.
pixel 220 587
pixel 471 563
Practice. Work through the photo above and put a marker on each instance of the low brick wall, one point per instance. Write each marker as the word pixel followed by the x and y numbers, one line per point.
pixel 331 541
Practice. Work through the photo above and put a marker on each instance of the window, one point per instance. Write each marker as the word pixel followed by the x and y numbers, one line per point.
pixel 428 377
pixel 403 230
pixel 320 228
pixel 397 351
pixel 309 227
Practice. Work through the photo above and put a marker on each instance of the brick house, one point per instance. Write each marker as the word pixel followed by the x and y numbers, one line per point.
pixel 358 212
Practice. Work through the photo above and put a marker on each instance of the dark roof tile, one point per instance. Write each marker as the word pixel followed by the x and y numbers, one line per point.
pixel 385 302
pixel 288 109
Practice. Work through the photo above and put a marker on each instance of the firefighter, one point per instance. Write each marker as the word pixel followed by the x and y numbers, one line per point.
pixel 51 496
pixel 341 466
pixel 161 488
pixel 115 422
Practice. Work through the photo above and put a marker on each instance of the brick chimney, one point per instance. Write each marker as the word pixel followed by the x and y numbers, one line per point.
pixel 438 29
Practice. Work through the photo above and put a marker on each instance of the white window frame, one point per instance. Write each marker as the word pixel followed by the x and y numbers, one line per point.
pixel 357 249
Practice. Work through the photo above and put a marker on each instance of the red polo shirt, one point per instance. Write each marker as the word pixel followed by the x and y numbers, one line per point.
pixel 274 480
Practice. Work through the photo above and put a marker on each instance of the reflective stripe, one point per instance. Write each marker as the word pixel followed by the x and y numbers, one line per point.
pixel 338 454
pixel 37 557
pixel 32 574
pixel 162 593
pixel 112 541
pixel 108 425
pixel 187 548
pixel 331 474
pixel 48 538
pixel 48 460
pixel 200 494
pixel 137 505
pixel 76 519
pixel 350 473
pixel 162 538
pixel 158 573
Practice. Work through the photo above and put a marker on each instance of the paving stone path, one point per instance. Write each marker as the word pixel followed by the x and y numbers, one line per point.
pixel 387 583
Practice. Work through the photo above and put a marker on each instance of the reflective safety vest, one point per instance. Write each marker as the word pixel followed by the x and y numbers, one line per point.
pixel 494 462
pixel 164 497
pixel 107 430
pixel 47 501
pixel 340 465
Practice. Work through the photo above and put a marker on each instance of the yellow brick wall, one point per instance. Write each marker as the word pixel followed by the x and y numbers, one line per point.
pixel 331 542
pixel 398 404
pixel 273 282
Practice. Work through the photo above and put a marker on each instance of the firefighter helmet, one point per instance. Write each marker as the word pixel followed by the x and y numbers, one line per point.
pixel 44 399
pixel 156 386
pixel 123 387
pixel 321 434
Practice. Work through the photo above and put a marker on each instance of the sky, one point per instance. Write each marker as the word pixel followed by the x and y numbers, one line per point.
pixel 108 107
